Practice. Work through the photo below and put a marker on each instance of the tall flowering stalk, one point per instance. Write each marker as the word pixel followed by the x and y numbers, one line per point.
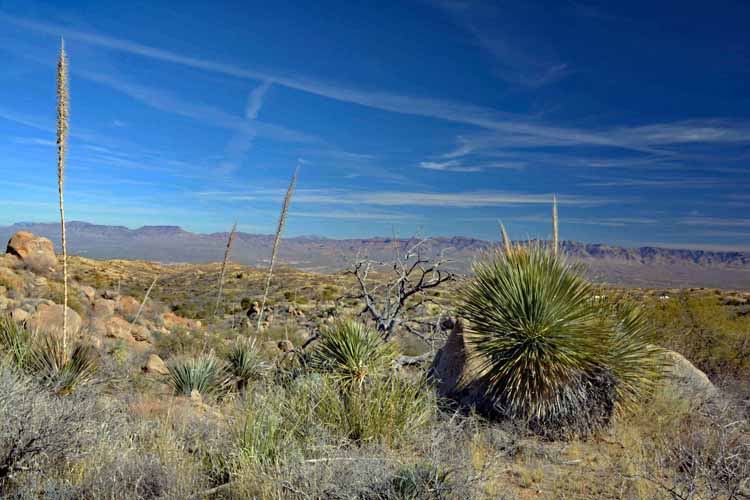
pixel 506 241
pixel 62 135
pixel 279 230
pixel 555 233
pixel 227 252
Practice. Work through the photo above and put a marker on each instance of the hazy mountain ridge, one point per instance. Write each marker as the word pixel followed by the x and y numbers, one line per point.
pixel 645 266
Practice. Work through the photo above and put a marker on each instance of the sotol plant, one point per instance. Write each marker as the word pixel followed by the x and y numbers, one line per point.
pixel 245 363
pixel 205 374
pixel 351 352
pixel 546 351
pixel 45 357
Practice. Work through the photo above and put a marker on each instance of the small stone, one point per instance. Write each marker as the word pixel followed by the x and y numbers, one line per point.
pixel 89 292
pixel 196 398
pixel 19 315
pixel 156 365
pixel 285 346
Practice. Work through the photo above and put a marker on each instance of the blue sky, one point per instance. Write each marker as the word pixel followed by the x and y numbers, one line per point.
pixel 408 117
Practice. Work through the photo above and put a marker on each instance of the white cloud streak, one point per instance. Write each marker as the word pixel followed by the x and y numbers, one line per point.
pixel 412 198
pixel 519 131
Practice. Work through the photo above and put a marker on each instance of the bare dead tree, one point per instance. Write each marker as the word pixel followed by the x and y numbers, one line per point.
pixel 388 302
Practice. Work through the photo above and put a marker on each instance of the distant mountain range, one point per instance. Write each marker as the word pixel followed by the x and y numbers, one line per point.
pixel 645 266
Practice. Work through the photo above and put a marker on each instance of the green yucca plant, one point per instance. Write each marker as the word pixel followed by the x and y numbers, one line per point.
pixel 350 352
pixel 46 356
pixel 547 352
pixel 636 362
pixel 61 370
pixel 15 342
pixel 205 374
pixel 245 362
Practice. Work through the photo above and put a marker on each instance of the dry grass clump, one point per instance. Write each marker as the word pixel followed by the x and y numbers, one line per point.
pixel 39 429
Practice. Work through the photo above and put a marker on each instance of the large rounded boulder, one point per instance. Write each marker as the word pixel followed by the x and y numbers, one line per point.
pixel 35 252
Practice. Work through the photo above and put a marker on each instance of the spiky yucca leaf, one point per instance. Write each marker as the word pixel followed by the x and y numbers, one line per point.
pixel 351 352
pixel 535 331
pixel 204 374
pixel 635 361
pixel 245 362
pixel 63 371
pixel 15 341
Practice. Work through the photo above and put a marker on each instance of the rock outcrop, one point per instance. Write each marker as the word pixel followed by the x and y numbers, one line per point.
pixel 687 381
pixel 455 373
pixel 155 365
pixel 35 252
pixel 49 318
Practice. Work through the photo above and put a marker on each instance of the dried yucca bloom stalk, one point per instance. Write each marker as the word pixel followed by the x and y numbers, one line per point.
pixel 555 234
pixel 145 298
pixel 62 135
pixel 277 239
pixel 227 252
pixel 506 241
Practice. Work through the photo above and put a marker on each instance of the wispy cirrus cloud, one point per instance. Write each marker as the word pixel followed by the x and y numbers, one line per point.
pixel 457 166
pixel 242 140
pixel 165 101
pixel 649 139
pixel 714 221
pixel 356 215
pixel 516 130
pixel 515 60
pixel 675 183
pixel 471 199
pixel 589 221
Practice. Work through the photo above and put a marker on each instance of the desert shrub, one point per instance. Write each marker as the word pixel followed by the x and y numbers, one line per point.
pixel 204 374
pixel 183 342
pixel 134 475
pixel 55 294
pixel 350 352
pixel 709 452
pixel 545 350
pixel 245 363
pixel 40 429
pixel 420 481
pixel 712 336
